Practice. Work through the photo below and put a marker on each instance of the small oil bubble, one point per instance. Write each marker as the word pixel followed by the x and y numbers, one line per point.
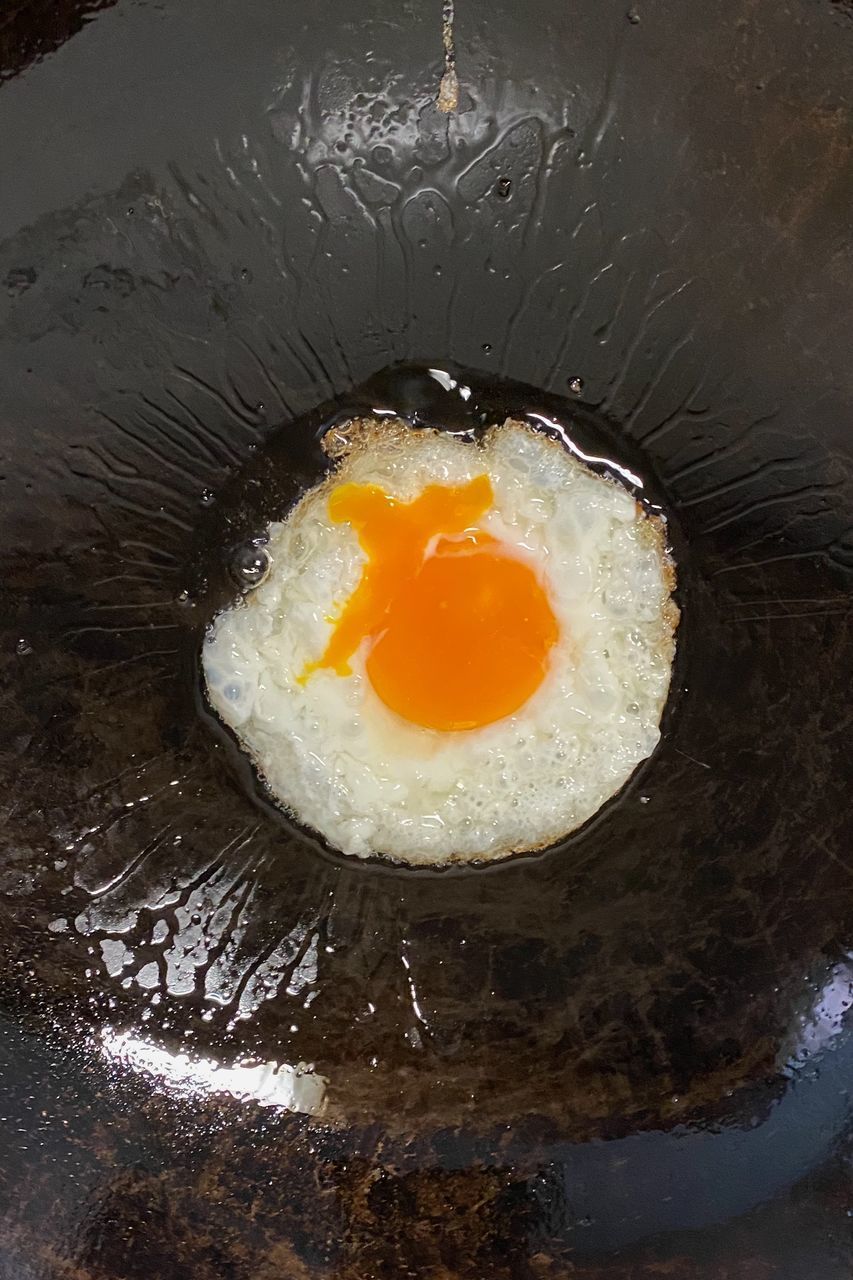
pixel 487 348
pixel 633 17
pixel 250 565
pixel 504 188
pixel 576 385
pixel 207 498
pixel 23 648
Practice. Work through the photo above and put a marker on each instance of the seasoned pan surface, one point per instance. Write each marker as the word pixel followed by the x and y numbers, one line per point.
pixel 225 1049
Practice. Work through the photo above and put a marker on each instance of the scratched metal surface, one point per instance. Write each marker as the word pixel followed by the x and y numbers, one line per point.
pixel 224 1051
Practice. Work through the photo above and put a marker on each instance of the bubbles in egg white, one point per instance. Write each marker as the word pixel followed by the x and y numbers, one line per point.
pixel 340 761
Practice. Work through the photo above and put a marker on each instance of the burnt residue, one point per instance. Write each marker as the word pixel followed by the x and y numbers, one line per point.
pixel 226 1050
pixel 448 90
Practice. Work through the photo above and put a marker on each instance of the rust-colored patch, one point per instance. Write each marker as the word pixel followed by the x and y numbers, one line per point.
pixel 448 90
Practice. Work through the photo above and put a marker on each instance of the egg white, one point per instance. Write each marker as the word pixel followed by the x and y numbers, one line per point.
pixel 334 756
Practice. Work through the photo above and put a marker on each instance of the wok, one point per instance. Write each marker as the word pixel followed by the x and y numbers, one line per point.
pixel 226 1050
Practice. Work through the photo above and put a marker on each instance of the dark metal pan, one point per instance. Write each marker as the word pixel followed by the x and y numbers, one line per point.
pixel 225 1050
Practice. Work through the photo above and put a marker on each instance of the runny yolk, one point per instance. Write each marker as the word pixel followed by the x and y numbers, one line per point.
pixel 460 628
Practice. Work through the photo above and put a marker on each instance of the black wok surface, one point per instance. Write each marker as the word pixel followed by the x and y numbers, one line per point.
pixel 225 1050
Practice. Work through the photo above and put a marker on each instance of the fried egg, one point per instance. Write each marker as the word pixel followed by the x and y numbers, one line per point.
pixel 460 650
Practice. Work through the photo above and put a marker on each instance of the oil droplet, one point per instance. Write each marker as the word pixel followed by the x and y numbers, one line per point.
pixel 504 188
pixel 207 498
pixel 487 347
pixel 633 17
pixel 23 648
pixel 250 565
pixel 576 385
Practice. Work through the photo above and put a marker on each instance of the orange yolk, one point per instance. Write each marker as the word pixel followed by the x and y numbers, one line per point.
pixel 460 628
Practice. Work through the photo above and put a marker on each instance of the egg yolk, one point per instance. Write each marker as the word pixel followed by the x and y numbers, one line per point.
pixel 460 627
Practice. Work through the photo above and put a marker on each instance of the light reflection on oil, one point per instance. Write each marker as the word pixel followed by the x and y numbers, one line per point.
pixel 268 1084
pixel 817 1026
